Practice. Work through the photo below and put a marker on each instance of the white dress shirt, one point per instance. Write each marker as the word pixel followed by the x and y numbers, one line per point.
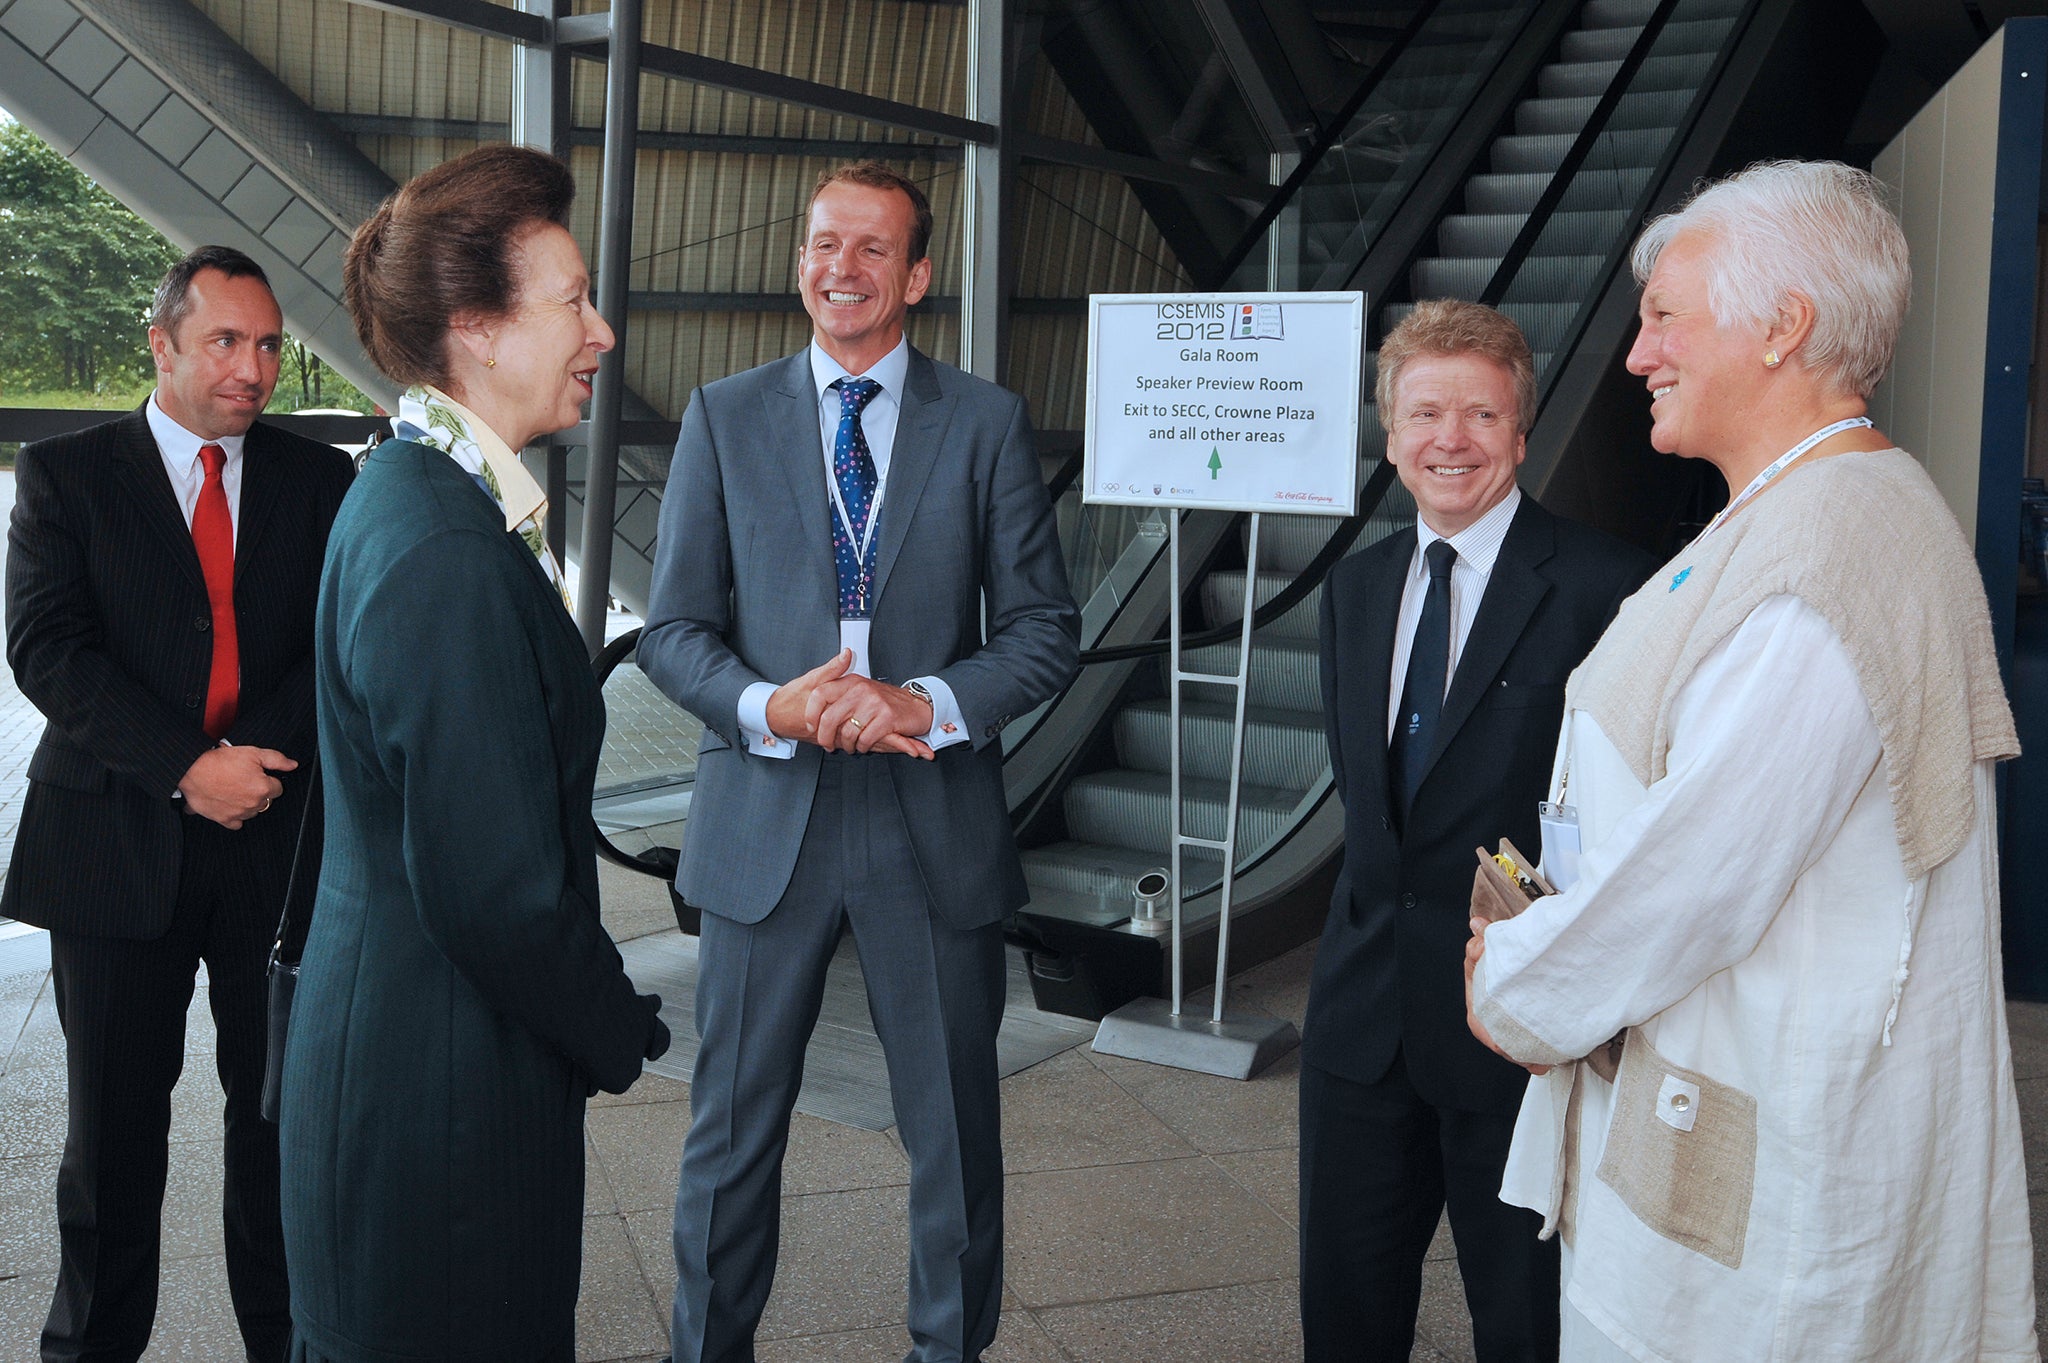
pixel 179 449
pixel 1478 545
pixel 878 424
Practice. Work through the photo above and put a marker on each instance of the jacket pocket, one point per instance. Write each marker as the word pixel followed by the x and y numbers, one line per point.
pixel 1681 1153
pixel 71 768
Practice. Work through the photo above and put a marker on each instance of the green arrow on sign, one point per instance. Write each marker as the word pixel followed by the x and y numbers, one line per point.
pixel 1215 462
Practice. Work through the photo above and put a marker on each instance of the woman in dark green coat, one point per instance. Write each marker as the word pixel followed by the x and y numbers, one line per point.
pixel 458 999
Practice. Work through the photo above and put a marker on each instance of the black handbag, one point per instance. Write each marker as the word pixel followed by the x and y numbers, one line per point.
pixel 282 976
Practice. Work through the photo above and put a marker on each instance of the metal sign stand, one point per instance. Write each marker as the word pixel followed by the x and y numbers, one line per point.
pixel 1156 1029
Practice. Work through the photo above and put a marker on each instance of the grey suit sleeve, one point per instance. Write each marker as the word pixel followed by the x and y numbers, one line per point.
pixel 683 647
pixel 1033 627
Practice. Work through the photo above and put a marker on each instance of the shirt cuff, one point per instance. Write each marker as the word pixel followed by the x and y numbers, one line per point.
pixel 755 735
pixel 949 726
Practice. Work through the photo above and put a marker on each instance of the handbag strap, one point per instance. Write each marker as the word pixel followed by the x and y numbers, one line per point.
pixel 291 881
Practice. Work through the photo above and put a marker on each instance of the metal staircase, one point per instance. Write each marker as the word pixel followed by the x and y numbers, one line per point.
pixel 1115 818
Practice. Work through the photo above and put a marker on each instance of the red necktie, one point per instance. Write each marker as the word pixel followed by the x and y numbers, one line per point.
pixel 213 535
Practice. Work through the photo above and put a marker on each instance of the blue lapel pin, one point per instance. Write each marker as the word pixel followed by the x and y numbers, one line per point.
pixel 1678 579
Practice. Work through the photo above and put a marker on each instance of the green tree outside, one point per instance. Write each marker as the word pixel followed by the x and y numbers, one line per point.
pixel 77 271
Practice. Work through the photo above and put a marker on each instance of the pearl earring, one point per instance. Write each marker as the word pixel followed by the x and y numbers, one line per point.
pixel 1771 360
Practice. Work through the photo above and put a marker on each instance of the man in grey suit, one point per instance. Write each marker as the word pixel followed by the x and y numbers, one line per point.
pixel 857 584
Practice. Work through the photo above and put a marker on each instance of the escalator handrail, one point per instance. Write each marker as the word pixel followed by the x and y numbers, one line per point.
pixel 1286 599
pixel 1063 477
pixel 1332 132
pixel 1392 262
pixel 1581 148
pixel 659 862
pixel 1680 136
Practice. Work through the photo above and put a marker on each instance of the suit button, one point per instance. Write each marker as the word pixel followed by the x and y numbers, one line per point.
pixel 1407 901
pixel 202 624
pixel 1386 823
pixel 191 702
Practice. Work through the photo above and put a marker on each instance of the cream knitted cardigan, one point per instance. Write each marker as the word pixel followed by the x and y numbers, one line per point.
pixel 1865 539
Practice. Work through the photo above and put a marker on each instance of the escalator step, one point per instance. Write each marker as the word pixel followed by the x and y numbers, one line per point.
pixel 1284 672
pixel 1092 868
pixel 1223 600
pixel 1542 279
pixel 1132 809
pixel 1575 79
pixel 1283 749
pixel 1644 109
pixel 1593 189
pixel 1599 14
pixel 1611 43
pixel 1490 234
pixel 1288 543
pixel 1519 153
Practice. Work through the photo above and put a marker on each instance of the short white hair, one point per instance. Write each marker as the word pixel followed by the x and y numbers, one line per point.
pixel 1817 228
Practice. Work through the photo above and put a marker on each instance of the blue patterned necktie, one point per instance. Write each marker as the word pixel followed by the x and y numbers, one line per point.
pixel 853 468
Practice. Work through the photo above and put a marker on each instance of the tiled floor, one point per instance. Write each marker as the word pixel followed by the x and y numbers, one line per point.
pixel 1150 1212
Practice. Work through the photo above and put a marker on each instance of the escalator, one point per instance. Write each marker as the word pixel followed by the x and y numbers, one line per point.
pixel 1508 154
pixel 1504 150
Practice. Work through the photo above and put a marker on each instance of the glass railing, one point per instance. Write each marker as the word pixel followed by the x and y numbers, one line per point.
pixel 1354 190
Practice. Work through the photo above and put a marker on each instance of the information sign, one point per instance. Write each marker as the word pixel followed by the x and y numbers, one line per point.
pixel 1232 401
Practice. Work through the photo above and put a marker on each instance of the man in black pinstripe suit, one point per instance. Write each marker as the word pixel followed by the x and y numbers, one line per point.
pixel 162 803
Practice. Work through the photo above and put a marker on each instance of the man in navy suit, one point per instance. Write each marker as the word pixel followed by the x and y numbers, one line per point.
pixel 1444 656
pixel 161 574
pixel 857 584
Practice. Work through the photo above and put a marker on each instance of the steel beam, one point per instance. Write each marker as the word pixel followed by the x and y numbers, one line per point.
pixel 614 260
pixel 1055 151
pixel 474 16
pixel 982 326
pixel 942 305
pixel 540 88
pixel 809 94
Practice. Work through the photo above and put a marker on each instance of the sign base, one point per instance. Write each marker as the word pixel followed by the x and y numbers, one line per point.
pixel 1235 1048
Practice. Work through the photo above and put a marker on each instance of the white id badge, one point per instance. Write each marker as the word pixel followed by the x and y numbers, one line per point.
pixel 1560 863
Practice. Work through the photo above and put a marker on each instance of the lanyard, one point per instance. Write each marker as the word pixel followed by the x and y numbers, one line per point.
pixel 1757 483
pixel 864 545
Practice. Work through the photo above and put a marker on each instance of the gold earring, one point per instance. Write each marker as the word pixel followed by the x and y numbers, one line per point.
pixel 1771 360
pixel 492 363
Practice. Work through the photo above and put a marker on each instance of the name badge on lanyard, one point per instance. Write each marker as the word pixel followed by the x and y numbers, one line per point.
pixel 863 549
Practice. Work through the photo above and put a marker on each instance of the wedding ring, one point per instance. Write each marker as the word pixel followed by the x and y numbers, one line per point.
pixel 854 724
pixel 265 805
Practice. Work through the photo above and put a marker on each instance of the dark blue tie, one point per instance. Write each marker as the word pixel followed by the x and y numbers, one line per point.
pixel 1422 698
pixel 853 468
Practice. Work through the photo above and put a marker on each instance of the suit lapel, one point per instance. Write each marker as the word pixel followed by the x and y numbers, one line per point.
pixel 263 476
pixel 141 475
pixel 1513 592
pixel 1375 645
pixel 790 405
pixel 920 432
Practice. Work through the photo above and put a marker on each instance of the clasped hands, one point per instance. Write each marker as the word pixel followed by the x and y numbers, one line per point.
pixel 842 711
pixel 231 785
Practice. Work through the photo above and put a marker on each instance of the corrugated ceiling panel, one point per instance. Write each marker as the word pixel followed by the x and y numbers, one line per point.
pixel 910 52
pixel 710 222
pixel 1052 110
pixel 903 50
pixel 731 222
pixel 1084 232
pixel 339 56
pixel 1048 362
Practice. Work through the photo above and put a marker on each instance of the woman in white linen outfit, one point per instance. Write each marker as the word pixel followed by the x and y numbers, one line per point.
pixel 1782 756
